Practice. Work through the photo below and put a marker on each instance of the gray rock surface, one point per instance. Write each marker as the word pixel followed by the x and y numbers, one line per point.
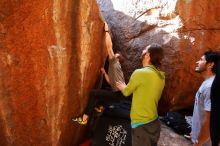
pixel 169 138
pixel 184 29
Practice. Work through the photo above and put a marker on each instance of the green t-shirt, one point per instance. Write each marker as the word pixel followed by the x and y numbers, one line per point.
pixel 147 85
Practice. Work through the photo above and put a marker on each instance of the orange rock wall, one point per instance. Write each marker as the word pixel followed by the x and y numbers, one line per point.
pixel 50 55
pixel 200 32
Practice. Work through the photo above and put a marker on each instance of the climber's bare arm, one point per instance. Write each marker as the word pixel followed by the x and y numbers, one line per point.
pixel 108 42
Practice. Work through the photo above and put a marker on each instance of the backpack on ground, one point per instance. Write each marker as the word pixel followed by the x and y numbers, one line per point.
pixel 177 122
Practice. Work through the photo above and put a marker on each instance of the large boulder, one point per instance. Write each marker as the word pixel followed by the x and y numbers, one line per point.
pixel 184 28
pixel 50 56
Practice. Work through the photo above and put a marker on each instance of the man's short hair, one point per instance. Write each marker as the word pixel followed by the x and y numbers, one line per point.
pixel 212 56
pixel 156 54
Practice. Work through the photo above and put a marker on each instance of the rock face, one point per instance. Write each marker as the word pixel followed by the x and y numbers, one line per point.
pixel 51 53
pixel 185 29
pixel 50 56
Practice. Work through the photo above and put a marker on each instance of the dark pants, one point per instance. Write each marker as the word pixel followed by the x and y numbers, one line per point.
pixel 147 134
pixel 102 97
pixel 215 125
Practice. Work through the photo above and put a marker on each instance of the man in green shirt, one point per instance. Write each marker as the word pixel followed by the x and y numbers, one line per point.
pixel 147 85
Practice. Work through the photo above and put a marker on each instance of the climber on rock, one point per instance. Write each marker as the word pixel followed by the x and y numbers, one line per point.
pixel 102 96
